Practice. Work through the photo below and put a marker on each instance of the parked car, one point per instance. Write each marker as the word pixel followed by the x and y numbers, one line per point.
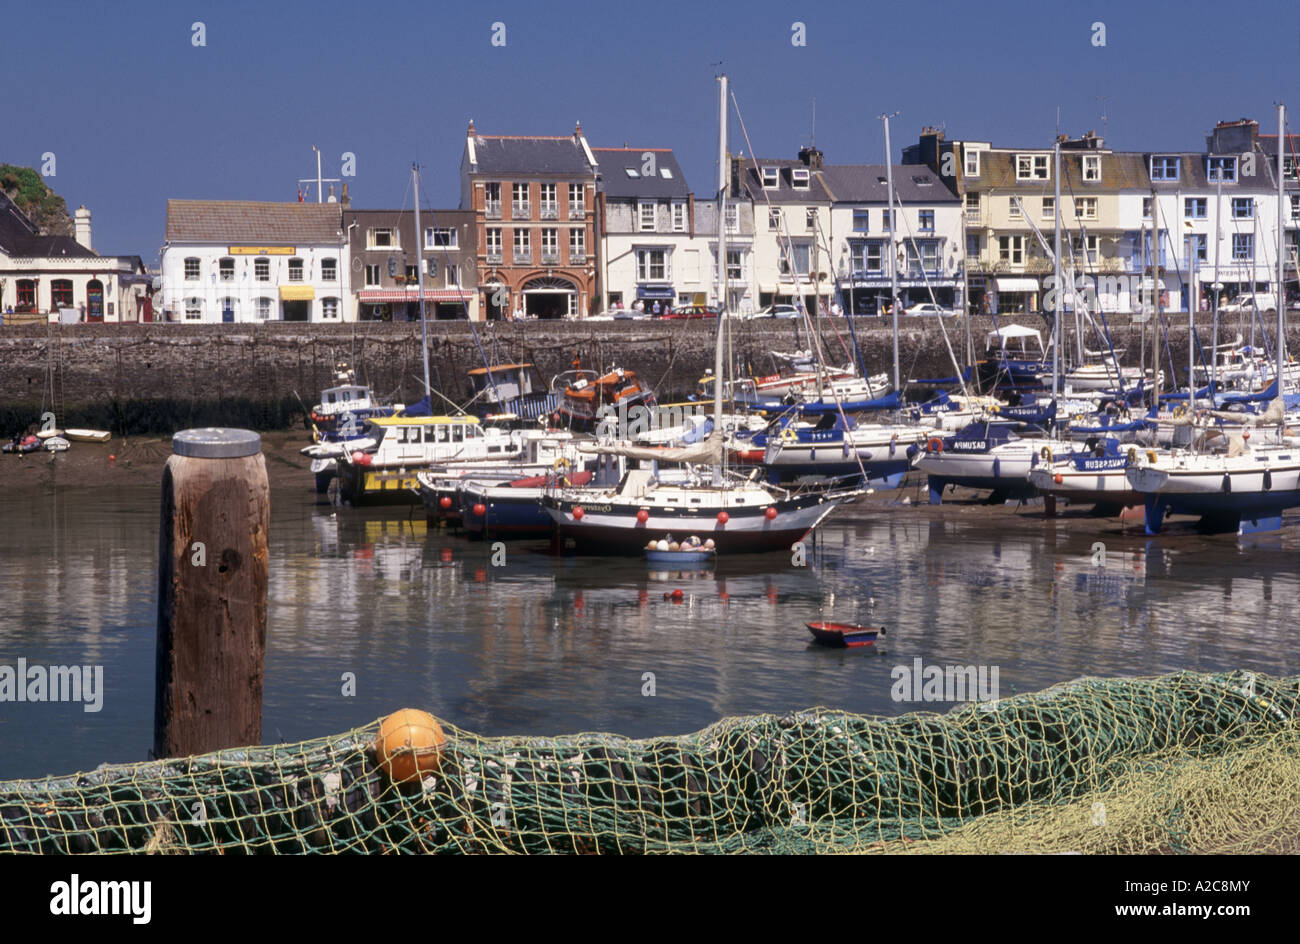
pixel 1246 302
pixel 690 311
pixel 602 316
pixel 778 311
pixel 930 308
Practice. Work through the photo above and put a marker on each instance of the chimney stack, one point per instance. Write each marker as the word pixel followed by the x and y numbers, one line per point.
pixel 81 221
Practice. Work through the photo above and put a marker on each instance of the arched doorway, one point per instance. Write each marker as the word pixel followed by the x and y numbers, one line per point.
pixel 94 300
pixel 550 297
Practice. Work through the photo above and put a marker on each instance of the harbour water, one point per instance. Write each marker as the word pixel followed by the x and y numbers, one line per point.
pixel 535 643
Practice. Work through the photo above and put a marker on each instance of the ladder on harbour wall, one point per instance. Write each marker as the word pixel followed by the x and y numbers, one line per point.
pixel 263 380
pixel 52 397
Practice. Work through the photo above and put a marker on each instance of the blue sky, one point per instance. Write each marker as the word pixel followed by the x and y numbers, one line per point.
pixel 135 113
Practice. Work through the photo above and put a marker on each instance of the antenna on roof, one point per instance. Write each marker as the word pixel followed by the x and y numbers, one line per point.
pixel 812 138
pixel 1102 99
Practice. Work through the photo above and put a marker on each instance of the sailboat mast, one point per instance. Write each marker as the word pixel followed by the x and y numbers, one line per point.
pixel 1155 287
pixel 893 263
pixel 722 265
pixel 1058 309
pixel 1281 271
pixel 419 281
pixel 1218 238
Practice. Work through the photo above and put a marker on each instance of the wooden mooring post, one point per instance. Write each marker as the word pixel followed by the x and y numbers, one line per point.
pixel 212 584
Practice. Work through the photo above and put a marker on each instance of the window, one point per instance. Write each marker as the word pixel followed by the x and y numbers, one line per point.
pixel 550 208
pixel 441 238
pixel 519 205
pixel 927 221
pixel 1049 207
pixel 26 295
pixel 1011 249
pixel 1243 247
pixel 974 246
pixel 922 256
pixel 652 265
pixel 329 270
pixel 1243 208
pixel 193 309
pixel 646 216
pixel 492 200
pixel 1091 168
pixel 577 245
pixel 774 219
pixel 523 246
pixel 810 219
pixel 861 221
pixel 972 163
pixel 733 218
pixel 1085 248
pixel 61 293
pixel 1031 167
pixel 665 173
pixel 295 270
pixel 1295 206
pixel 802 258
pixel 372 275
pixel 679 217
pixel 870 255
pixel 381 239
pixel 771 179
pixel 1164 168
pixel 550 246
pixel 1085 208
pixel 1221 168
pixel 329 308
pixel 577 201
pixel 493 243
pixel 735 265
pixel 191 268
pixel 631 172
pixel 226 270
pixel 263 308
pixel 262 270
pixel 886 220
pixel 1013 206
pixel 799 178
pixel 1194 247
pixel 1146 208
pixel 1194 208
pixel 453 275
pixel 411 273
pixel 973 202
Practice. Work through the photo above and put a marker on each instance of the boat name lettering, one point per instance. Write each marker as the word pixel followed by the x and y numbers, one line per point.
pixel 970 445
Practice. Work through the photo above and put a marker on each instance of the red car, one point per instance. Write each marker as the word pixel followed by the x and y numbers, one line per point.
pixel 691 311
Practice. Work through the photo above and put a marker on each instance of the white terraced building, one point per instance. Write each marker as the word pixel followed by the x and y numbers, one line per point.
pixel 244 261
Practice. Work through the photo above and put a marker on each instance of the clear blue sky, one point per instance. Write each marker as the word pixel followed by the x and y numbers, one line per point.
pixel 135 113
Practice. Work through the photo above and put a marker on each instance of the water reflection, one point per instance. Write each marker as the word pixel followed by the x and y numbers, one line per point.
pixel 538 643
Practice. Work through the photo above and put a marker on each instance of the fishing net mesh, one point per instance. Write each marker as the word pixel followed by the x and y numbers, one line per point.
pixel 1178 763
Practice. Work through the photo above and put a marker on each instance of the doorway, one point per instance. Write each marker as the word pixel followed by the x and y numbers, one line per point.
pixel 296 311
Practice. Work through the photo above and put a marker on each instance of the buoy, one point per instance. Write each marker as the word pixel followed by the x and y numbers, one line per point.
pixel 652 546
pixel 662 545
pixel 770 513
pixel 577 512
pixel 445 556
pixel 409 744
pixel 677 596
pixel 112 458
pixel 643 516
pixel 1245 434
pixel 723 517
pixel 444 502
pixel 1058 478
pixel 356 456
pixel 674 546
pixel 708 545
pixel 480 509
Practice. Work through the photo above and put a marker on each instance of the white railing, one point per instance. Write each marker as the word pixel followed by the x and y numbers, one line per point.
pixel 493 210
pixel 520 208
pixel 550 211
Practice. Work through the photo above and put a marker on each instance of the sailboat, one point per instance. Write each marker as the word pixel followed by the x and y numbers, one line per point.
pixel 1242 485
pixel 737 512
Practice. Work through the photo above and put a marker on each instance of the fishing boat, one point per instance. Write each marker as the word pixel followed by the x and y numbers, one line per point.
pixel 983 455
pixel 514 390
pixel 844 635
pixel 585 394
pixel 740 514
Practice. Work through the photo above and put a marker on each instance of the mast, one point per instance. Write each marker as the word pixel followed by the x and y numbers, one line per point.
pixel 1281 271
pixel 722 264
pixel 1218 238
pixel 1058 310
pixel 419 281
pixel 1155 287
pixel 893 264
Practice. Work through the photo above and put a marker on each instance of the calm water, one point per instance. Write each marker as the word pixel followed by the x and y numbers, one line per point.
pixel 551 645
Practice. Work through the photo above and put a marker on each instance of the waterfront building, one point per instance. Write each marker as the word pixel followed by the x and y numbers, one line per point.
pixel 246 261
pixel 533 201
pixel 1291 182
pixel 649 249
pixel 62 277
pixel 381 244
pixel 742 290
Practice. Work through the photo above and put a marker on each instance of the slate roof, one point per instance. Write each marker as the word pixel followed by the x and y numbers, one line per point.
pixel 1192 174
pixel 20 239
pixel 506 155
pixel 247 221
pixel 866 183
pixel 617 184
pixel 751 182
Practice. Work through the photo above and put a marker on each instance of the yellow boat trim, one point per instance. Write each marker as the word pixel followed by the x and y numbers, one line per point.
pixel 424 420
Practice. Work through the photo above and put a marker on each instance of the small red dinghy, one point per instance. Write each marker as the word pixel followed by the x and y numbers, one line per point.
pixel 845 635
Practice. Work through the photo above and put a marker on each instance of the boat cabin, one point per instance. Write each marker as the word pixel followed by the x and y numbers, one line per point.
pixel 347 398
pixel 416 440
pixel 501 383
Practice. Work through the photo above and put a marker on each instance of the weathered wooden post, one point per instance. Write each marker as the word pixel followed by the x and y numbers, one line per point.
pixel 212 582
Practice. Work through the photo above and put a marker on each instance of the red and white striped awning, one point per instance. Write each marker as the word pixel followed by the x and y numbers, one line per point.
pixel 377 295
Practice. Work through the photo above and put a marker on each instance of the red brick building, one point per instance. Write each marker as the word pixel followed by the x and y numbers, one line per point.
pixel 533 200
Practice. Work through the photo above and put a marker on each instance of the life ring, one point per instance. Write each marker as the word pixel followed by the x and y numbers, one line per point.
pixel 561 465
pixel 1047 454
pixel 1132 454
pixel 934 445
pixel 1180 411
pixel 788 435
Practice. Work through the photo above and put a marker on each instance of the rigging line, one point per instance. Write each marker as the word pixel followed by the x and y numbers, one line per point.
pixel 839 406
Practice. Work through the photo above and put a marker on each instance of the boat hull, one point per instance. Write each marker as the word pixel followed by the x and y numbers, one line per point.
pixel 1228 497
pixel 1003 470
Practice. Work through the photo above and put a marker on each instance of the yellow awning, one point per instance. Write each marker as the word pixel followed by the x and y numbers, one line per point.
pixel 297 293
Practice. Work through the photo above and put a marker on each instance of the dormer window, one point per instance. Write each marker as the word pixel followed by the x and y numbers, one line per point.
pixel 1091 168
pixel 1164 168
pixel 1031 167
pixel 665 173
pixel 631 171
pixel 799 178
pixel 771 178
pixel 972 167
pixel 1221 169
